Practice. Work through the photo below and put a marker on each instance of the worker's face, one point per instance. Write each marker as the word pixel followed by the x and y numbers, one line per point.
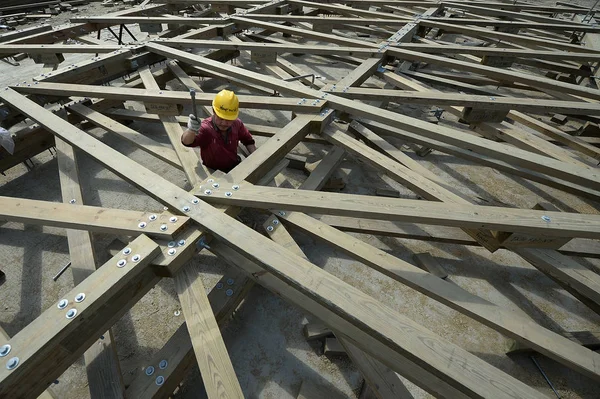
pixel 222 124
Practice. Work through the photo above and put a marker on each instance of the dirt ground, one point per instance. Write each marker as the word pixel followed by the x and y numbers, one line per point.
pixel 264 338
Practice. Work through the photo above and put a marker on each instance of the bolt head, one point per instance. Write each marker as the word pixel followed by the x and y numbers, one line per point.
pixel 136 258
pixel 149 370
pixel 235 187
pixel 172 251
pixel 71 313
pixel 160 380
pixel 5 350
pixel 275 222
pixel 215 185
pixel 163 364
pixel 181 243
pixel 281 213
pixel 121 263
pixel 219 286
pixel 12 363
pixel 229 292
pixel 62 303
pixel 80 297
pixel 72 201
pixel 230 281
pixel 173 219
pixel 207 192
pixel 186 208
pixel 228 194
pixel 269 228
pixel 171 244
pixel 195 201
pixel 127 251
pixel 142 225
pixel 152 217
pixel 163 227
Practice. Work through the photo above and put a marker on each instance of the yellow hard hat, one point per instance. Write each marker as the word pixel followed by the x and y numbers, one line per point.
pixel 226 105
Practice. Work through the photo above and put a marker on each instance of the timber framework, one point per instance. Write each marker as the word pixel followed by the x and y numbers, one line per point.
pixel 500 115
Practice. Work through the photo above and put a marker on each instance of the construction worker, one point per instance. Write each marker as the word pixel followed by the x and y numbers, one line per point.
pixel 219 135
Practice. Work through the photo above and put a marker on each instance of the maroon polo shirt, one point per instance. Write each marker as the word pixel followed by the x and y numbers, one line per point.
pixel 217 151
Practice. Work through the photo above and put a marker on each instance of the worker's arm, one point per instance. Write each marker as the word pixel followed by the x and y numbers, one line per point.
pixel 189 135
pixel 247 139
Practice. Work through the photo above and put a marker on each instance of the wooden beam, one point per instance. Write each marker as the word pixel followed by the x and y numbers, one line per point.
pixel 536 222
pixel 382 380
pixel 52 342
pixel 178 351
pixel 91 218
pixel 162 96
pixel 510 154
pixel 216 369
pixel 379 330
pixel 532 105
pixel 102 363
pixel 498 164
pixel 139 140
pixel 577 247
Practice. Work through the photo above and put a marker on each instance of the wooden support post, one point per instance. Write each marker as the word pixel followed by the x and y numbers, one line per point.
pixel 102 363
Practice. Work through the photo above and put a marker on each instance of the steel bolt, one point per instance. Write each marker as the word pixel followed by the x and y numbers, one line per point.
pixel 72 201
pixel 136 258
pixel 62 303
pixel 171 244
pixel 173 219
pixel 195 200
pixel 12 363
pixel 142 225
pixel 269 228
pixel 152 217
pixel 163 227
pixel 121 263
pixel 5 350
pixel 80 297
pixel 207 192
pixel 160 380
pixel 127 251
pixel 281 213
pixel 228 194
pixel 215 185
pixel 275 222
pixel 149 370
pixel 219 286
pixel 181 243
pixel 172 251
pixel 186 208
pixel 546 218
pixel 229 292
pixel 163 364
pixel 235 187
pixel 71 313
pixel 230 281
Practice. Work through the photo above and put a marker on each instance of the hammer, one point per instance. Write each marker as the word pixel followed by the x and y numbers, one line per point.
pixel 194 108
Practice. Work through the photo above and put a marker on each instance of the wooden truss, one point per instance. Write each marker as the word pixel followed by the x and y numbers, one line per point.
pixel 387 40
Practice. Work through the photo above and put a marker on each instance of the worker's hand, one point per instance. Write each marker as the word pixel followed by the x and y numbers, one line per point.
pixel 193 123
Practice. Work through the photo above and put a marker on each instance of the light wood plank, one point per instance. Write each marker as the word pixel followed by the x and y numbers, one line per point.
pixel 102 363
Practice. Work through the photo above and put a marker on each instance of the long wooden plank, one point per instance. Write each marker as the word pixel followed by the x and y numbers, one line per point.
pixel 509 154
pixel 500 52
pixel 497 73
pixel 92 218
pixel 164 96
pixel 533 105
pixel 189 160
pixel 139 140
pixel 541 223
pixel 384 382
pixel 102 363
pixel 382 331
pixel 215 365
pixel 216 369
pixel 577 247
pixel 178 351
pixel 273 48
pixel 59 48
pixel 50 343
pixel 466 153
